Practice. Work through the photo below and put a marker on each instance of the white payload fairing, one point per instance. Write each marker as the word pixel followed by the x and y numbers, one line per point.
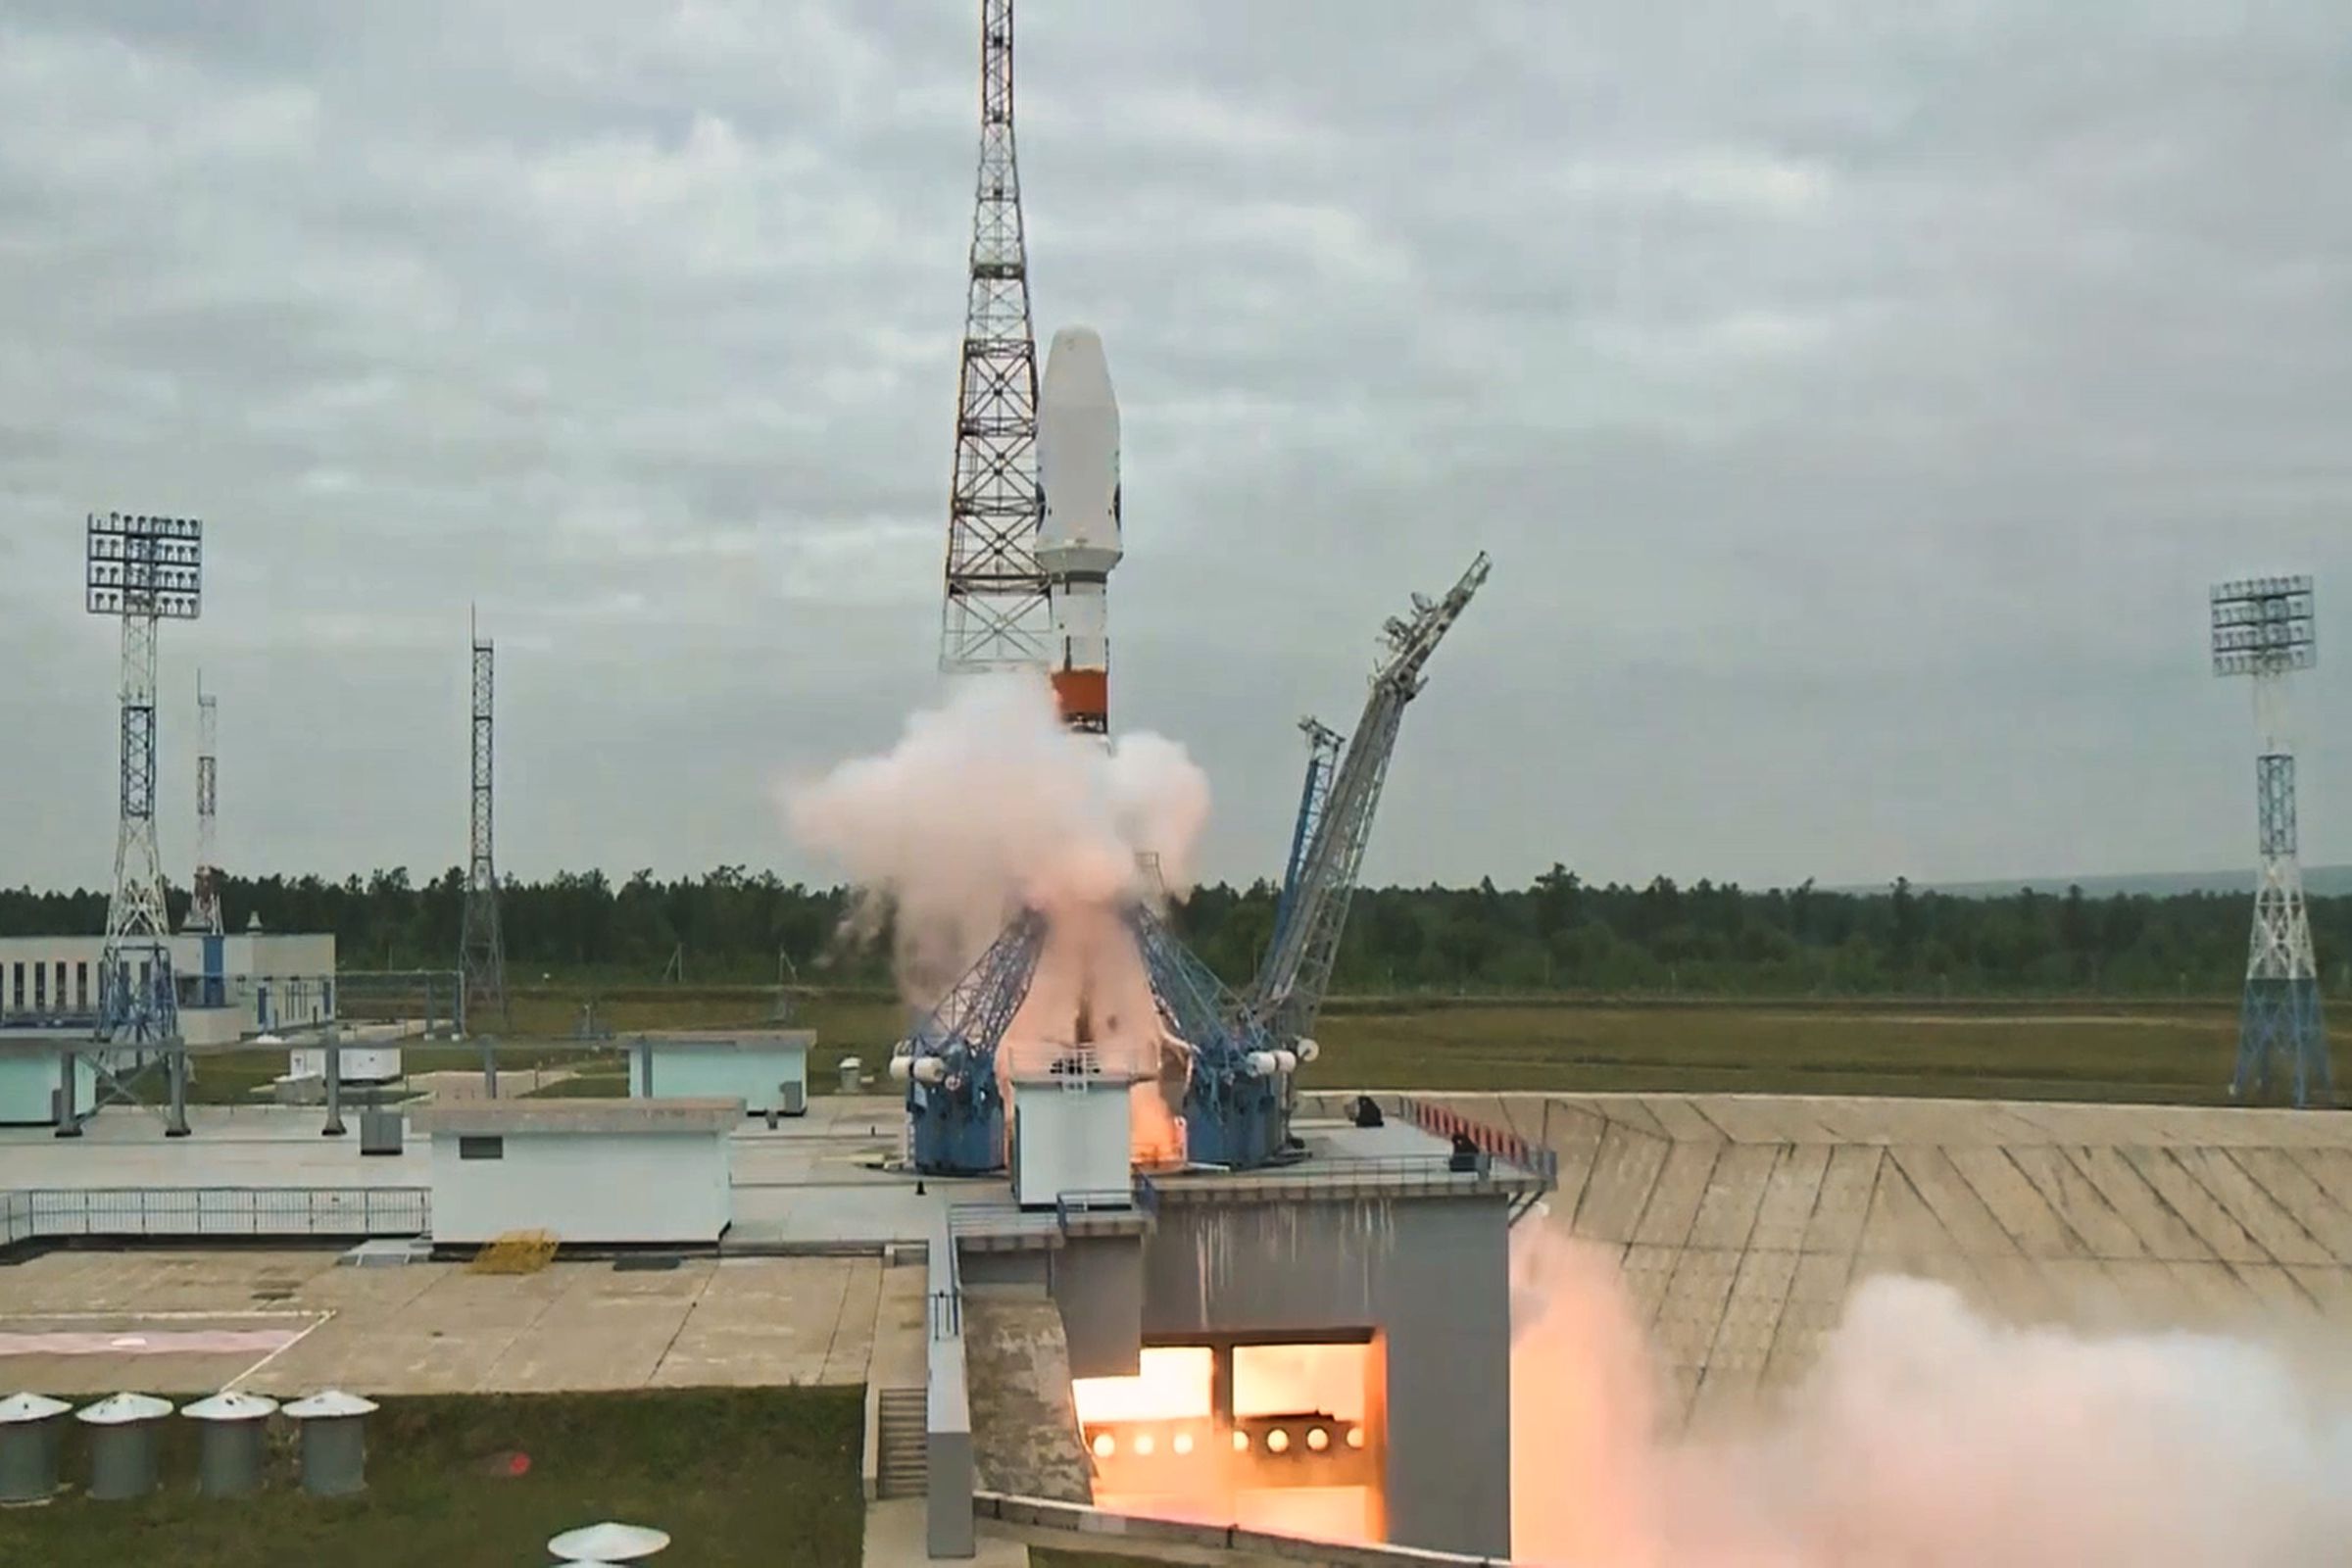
pixel 1078 543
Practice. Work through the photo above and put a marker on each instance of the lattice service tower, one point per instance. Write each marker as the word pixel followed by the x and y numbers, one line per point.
pixel 996 614
pixel 481 950
pixel 142 570
pixel 2265 627
pixel 204 902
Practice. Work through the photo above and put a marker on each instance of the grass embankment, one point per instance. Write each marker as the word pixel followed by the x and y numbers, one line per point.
pixel 765 1476
pixel 2028 1051
pixel 2070 1048
pixel 541 1036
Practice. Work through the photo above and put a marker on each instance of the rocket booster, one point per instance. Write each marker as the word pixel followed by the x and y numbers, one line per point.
pixel 1078 543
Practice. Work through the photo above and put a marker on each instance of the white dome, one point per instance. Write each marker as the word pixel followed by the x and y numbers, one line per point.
pixel 31 1407
pixel 229 1406
pixel 122 1409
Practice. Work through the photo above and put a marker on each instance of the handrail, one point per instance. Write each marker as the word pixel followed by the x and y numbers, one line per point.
pixel 1444 1121
pixel 32 1213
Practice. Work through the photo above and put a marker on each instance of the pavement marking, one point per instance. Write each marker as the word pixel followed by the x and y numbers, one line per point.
pixel 319 1323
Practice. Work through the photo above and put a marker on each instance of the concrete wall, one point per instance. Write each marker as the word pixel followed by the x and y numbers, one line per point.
pixel 1097 1282
pixel 1086 1532
pixel 584 1187
pixel 947 1401
pixel 29 1079
pixel 1429 1275
pixel 684 1070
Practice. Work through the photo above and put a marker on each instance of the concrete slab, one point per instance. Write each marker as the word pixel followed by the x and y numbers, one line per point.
pixel 1790 1192
pixel 436 1328
pixel 1623 1173
pixel 1675 1196
pixel 1743 1224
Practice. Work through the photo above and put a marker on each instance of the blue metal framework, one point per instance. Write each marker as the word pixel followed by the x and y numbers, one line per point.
pixel 1322 762
pixel 955 1104
pixel 1288 992
pixel 1233 1111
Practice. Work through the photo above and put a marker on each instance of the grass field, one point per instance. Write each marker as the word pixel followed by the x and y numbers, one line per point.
pixel 2028 1051
pixel 2032 1049
pixel 765 1476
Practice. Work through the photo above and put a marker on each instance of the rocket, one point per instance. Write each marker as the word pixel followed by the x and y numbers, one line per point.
pixel 1078 542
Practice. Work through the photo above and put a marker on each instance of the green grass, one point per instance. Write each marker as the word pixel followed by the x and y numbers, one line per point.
pixel 2070 1048
pixel 737 1476
pixel 2175 1053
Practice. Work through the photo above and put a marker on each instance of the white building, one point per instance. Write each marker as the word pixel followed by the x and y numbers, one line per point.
pixel 606 1171
pixel 28 1079
pixel 230 988
pixel 1072 1135
pixel 768 1069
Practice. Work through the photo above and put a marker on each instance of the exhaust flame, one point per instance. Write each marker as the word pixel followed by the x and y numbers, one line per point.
pixel 1925 1435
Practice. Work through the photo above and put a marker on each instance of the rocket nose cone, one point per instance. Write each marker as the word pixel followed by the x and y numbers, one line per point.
pixel 1076 370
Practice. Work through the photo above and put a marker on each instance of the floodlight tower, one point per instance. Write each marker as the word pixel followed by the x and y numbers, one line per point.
pixel 996 614
pixel 142 570
pixel 2265 627
pixel 481 952
pixel 204 903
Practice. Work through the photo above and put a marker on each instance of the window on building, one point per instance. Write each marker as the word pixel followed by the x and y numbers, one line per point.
pixel 40 988
pixel 58 986
pixel 16 995
pixel 81 983
pixel 481 1149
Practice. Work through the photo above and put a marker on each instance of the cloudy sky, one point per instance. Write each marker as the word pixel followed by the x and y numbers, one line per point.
pixel 1856 399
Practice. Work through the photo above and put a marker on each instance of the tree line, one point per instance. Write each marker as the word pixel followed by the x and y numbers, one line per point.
pixel 1558 934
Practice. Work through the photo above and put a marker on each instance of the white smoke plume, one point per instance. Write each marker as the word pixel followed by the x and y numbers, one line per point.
pixel 988 804
pixel 1925 1435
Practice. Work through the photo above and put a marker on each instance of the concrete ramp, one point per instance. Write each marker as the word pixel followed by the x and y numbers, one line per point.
pixel 1742 1223
pixel 1024 1428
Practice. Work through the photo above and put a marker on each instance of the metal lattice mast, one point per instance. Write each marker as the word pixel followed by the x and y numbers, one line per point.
pixel 2266 627
pixel 203 904
pixel 142 570
pixel 1322 762
pixel 995 613
pixel 1289 989
pixel 481 950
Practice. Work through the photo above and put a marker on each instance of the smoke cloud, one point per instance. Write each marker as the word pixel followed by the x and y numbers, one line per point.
pixel 987 804
pixel 1925 1435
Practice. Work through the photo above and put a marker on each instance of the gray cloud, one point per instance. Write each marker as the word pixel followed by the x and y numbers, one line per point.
pixel 1856 402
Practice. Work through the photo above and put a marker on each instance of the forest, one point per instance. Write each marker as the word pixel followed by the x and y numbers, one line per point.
pixel 1558 934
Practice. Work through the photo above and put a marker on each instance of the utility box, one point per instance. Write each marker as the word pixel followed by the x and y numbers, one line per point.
pixel 1072 1134
pixel 32 1432
pixel 381 1131
pixel 229 1454
pixel 768 1069
pixel 335 1441
pixel 29 1073
pixel 604 1171
pixel 361 1064
pixel 122 1444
